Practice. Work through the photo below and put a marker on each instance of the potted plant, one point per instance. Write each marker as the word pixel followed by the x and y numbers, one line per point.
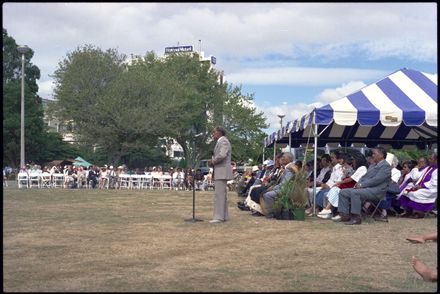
pixel 298 195
pixel 283 206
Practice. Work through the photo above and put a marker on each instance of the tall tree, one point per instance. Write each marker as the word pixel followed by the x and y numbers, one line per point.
pixel 39 145
pixel 136 106
pixel 245 125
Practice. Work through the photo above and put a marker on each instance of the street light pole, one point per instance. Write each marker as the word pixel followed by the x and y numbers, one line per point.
pixel 281 116
pixel 23 50
pixel 281 123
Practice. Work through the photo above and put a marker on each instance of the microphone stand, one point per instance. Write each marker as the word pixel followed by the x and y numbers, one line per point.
pixel 194 219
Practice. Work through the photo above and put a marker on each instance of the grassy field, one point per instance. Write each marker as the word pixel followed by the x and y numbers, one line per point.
pixel 137 240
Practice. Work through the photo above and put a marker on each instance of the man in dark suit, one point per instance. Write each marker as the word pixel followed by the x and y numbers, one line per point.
pixel 372 186
pixel 221 161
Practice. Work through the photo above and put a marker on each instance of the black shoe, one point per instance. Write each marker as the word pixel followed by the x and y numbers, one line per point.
pixel 243 207
pixel 355 220
pixel 381 218
pixel 256 213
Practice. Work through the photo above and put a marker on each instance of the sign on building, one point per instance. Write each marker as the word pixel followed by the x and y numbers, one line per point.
pixel 177 49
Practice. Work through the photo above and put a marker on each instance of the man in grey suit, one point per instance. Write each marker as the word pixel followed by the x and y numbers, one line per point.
pixel 372 186
pixel 221 161
pixel 267 200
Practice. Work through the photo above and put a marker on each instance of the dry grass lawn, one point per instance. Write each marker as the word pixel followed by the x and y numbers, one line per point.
pixel 137 240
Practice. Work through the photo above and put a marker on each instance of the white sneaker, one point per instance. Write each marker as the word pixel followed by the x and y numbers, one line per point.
pixel 215 221
pixel 325 211
pixel 336 218
pixel 325 216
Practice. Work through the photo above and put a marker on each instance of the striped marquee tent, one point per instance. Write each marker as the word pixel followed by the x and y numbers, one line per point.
pixel 397 111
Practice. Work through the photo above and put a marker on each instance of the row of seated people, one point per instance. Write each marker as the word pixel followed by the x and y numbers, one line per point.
pixel 355 183
pixel 410 192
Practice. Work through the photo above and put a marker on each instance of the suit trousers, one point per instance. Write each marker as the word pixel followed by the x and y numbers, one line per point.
pixel 269 200
pixel 221 200
pixel 350 200
pixel 257 192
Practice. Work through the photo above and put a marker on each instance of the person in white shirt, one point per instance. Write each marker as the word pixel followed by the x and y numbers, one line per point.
pixel 337 160
pixel 358 163
pixel 178 179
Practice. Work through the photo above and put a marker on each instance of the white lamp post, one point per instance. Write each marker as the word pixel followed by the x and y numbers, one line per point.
pixel 23 50
pixel 281 116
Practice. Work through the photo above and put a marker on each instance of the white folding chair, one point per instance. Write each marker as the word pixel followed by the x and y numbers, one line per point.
pixel 45 180
pixel 146 182
pixel 124 181
pixel 166 182
pixel 23 180
pixel 57 180
pixel 135 181
pixel 34 180
pixel 157 181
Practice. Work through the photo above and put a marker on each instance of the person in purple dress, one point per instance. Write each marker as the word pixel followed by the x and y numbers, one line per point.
pixel 419 198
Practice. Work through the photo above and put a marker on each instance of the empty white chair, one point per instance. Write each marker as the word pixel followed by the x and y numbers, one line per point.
pixel 135 181
pixel 23 180
pixel 124 181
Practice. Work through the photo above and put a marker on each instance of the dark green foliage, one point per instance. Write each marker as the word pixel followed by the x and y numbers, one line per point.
pixel 40 146
pixel 128 110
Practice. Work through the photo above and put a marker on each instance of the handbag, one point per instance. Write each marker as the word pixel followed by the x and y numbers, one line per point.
pixel 393 188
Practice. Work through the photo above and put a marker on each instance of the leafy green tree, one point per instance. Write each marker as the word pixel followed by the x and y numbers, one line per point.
pixel 133 107
pixel 40 145
pixel 245 126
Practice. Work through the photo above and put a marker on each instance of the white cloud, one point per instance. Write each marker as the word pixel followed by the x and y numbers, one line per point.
pixel 301 76
pixel 45 89
pixel 297 110
pixel 234 33
pixel 330 95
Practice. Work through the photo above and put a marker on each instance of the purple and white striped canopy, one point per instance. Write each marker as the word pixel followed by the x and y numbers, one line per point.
pixel 400 109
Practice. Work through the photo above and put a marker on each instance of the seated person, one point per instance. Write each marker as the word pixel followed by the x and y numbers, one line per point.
pixel 337 161
pixel 357 162
pixel 250 180
pixel 372 186
pixel 199 177
pixel 178 179
pixel 420 198
pixel 92 177
pixel 272 179
pixel 268 198
pixel 323 176
pixel 395 176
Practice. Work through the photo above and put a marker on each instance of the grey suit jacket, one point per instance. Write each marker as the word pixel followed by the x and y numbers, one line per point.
pixel 287 174
pixel 222 160
pixel 377 178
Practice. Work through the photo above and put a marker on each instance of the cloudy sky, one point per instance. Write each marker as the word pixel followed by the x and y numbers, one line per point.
pixel 291 56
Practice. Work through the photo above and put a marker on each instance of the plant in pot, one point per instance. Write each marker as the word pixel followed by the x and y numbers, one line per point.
pixel 298 194
pixel 283 206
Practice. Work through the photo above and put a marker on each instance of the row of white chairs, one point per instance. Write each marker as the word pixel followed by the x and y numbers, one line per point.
pixel 40 180
pixel 125 181
pixel 145 182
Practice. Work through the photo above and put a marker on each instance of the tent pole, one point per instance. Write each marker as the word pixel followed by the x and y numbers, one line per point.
pixel 290 145
pixel 274 149
pixel 315 156
pixel 263 155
